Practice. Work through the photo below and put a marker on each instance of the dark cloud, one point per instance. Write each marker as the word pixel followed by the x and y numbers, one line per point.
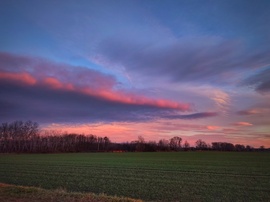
pixel 260 81
pixel 46 105
pixel 193 116
pixel 198 59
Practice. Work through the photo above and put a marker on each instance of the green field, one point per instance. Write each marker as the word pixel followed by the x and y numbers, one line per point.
pixel 172 176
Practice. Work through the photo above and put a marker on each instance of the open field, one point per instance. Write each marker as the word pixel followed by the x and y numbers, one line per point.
pixel 179 176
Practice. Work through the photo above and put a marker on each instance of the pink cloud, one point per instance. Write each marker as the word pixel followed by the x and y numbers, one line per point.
pixel 24 78
pixel 242 124
pixel 212 127
pixel 56 84
pixel 40 72
pixel 41 68
pixel 122 132
pixel 162 129
pixel 250 112
pixel 257 113
pixel 130 98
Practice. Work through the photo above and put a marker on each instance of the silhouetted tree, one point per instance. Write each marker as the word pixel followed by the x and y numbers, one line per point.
pixel 107 143
pixel 175 143
pixel 186 145
pixel 249 148
pixel 150 146
pixel 261 148
pixel 239 147
pixel 201 144
pixel 18 136
pixel 223 146
pixel 140 144
pixel 163 145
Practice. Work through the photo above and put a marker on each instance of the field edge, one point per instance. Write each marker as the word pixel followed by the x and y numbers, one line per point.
pixel 9 192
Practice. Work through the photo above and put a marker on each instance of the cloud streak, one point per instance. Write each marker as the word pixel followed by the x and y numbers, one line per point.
pixel 79 79
pixel 42 90
pixel 188 59
pixel 260 81
pixel 242 124
pixel 249 112
pixel 193 116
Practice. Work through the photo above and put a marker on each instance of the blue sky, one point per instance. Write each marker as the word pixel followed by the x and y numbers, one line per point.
pixel 202 67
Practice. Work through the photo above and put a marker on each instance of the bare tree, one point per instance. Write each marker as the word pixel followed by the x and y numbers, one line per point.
pixel 239 147
pixel 186 145
pixel 18 136
pixel 164 144
pixel 107 143
pixel 201 144
pixel 140 144
pixel 175 143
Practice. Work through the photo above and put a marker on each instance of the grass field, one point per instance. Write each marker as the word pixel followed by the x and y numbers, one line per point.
pixel 17 193
pixel 178 176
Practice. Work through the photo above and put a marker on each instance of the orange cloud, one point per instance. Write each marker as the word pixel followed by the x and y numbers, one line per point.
pixel 243 124
pixel 56 84
pixel 107 94
pixel 127 98
pixel 53 83
pixel 212 127
pixel 24 78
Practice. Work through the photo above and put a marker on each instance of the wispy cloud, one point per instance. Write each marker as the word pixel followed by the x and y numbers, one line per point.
pixel 242 124
pixel 249 112
pixel 260 81
pixel 188 59
pixel 192 116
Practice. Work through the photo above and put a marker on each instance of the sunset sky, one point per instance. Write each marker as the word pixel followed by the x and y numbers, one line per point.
pixel 123 69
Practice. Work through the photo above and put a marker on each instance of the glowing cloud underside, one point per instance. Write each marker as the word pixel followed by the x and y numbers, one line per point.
pixel 107 94
pixel 40 72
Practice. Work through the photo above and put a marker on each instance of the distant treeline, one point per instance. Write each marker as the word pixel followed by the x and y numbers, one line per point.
pixel 20 137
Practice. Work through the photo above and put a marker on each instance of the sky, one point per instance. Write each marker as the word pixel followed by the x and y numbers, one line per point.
pixel 198 69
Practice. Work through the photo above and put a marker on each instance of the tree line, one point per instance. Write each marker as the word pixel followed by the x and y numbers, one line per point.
pixel 26 137
pixel 21 136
